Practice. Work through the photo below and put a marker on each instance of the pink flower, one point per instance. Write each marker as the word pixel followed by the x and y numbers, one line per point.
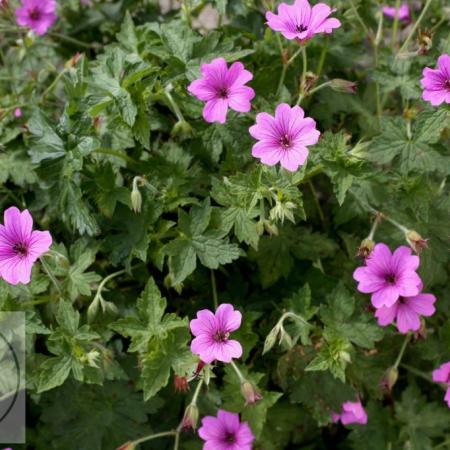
pixel 352 412
pixel 212 331
pixel 222 87
pixel 442 375
pixel 38 15
pixel 300 21
pixel 20 247
pixel 284 138
pixel 389 276
pixel 407 311
pixel 402 12
pixel 436 82
pixel 17 113
pixel 225 432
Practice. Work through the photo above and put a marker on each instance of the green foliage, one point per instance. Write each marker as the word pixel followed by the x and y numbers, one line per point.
pixel 108 308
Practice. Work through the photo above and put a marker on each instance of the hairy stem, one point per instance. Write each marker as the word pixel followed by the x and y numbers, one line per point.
pixel 402 350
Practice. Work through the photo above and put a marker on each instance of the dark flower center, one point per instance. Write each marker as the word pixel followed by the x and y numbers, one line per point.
pixel 285 141
pixel 447 84
pixel 221 336
pixel 390 278
pixel 20 249
pixel 300 28
pixel 230 438
pixel 223 93
pixel 35 14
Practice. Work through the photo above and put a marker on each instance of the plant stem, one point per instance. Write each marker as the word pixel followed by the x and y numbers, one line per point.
pixel 359 18
pixel 173 104
pixel 303 79
pixel 105 280
pixel 49 272
pixel 74 41
pixel 318 88
pixel 416 25
pixel 238 372
pixel 197 392
pixel 214 289
pixel 374 227
pixel 317 203
pixel 187 11
pixel 154 436
pixel 417 372
pixel 322 57
pixel 52 85
pixel 285 66
pixel 402 350
pixel 395 25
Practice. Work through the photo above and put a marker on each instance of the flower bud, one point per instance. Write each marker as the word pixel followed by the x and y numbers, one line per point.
pixel 181 128
pixel 73 61
pixel 17 113
pixel 416 241
pixel 390 378
pixel 365 248
pixel 136 200
pixel 250 393
pixel 190 417
pixel 340 85
pixel 271 339
pixel 180 384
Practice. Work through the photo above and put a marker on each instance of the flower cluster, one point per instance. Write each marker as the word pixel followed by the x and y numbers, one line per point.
pixel 395 287
pixel 283 138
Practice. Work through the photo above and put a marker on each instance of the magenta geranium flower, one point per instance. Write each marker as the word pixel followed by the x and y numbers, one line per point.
pixel 225 432
pixel 300 21
pixel 222 88
pixel 402 13
pixel 406 312
pixel 38 15
pixel 212 334
pixel 284 138
pixel 389 276
pixel 20 247
pixel 442 375
pixel 436 82
pixel 352 412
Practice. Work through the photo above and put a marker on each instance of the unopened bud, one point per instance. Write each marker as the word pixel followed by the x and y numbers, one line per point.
pixel 390 378
pixel 190 417
pixel 73 61
pixel 250 393
pixel 181 128
pixel 127 446
pixel 416 241
pixel 260 227
pixel 136 200
pixel 180 384
pixel 365 248
pixel 271 339
pixel 340 85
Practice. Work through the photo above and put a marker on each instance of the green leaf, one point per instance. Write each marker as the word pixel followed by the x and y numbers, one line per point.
pixel 150 322
pixel 158 362
pixel 127 34
pixel 53 372
pixel 45 143
pixel 411 149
